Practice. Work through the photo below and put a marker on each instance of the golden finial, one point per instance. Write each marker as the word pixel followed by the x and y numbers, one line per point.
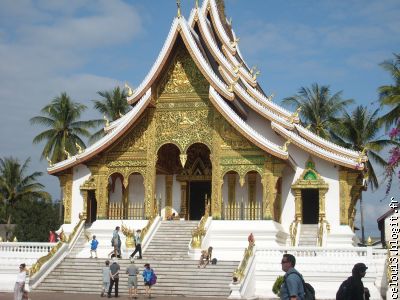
pixel 79 148
pixel 255 74
pixel 295 115
pixel 270 97
pixel 197 3
pixel 235 42
pixel 107 121
pixel 237 68
pixel 253 69
pixel 128 89
pixel 309 126
pixel 120 114
pixel 15 239
pixel 285 145
pixel 369 241
pixel 67 153
pixel 362 157
pixel 178 3
pixel 49 161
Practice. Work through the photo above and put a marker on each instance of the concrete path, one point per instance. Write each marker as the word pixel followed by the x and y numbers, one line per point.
pixel 69 296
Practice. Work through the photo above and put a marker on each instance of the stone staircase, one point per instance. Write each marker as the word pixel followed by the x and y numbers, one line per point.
pixel 308 235
pixel 167 254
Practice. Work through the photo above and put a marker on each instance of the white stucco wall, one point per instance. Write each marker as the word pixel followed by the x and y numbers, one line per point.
pixel 80 174
pixel 329 173
pixel 136 188
pixel 160 189
pixel 176 194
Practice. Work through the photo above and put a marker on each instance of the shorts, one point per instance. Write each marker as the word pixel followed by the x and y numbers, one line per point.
pixel 132 281
pixel 147 283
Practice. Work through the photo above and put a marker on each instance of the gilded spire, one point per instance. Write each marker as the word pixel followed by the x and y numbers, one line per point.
pixel 178 4
pixel 197 3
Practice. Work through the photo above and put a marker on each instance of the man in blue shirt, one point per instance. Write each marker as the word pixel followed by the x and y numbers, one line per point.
pixel 93 247
pixel 292 287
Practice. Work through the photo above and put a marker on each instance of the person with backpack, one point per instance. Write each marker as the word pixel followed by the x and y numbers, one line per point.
pixel 353 288
pixel 292 287
pixel 150 279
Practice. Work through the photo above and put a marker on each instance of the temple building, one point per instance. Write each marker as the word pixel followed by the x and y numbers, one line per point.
pixel 202 130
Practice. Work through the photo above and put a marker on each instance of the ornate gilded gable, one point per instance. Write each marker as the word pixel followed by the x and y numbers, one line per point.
pixel 310 178
pixel 183 76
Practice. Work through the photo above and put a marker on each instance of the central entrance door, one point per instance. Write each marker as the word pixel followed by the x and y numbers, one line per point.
pixel 310 200
pixel 197 194
pixel 91 207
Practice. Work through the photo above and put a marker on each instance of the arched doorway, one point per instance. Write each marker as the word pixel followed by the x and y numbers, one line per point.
pixel 91 207
pixel 168 167
pixel 196 176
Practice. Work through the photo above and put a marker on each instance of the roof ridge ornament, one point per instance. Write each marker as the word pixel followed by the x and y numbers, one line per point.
pixel 197 4
pixel 49 161
pixel 67 153
pixel 128 89
pixel 285 145
pixel 295 115
pixel 178 4
pixel 235 42
pixel 107 121
pixel 79 147
pixel 270 97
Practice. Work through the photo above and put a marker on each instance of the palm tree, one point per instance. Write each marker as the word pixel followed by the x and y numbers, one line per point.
pixel 65 132
pixel 112 106
pixel 15 186
pixel 389 95
pixel 319 108
pixel 359 131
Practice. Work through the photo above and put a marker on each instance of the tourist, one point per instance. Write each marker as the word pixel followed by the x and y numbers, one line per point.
pixel 106 278
pixel 292 287
pixel 138 244
pixel 353 287
pixel 148 275
pixel 19 286
pixel 132 270
pixel 52 236
pixel 116 243
pixel 93 247
pixel 203 259
pixel 209 256
pixel 114 277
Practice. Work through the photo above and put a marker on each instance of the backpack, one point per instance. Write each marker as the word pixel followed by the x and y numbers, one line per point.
pixel 214 261
pixel 343 291
pixel 309 291
pixel 153 279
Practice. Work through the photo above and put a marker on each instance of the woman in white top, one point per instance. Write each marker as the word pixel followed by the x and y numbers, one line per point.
pixel 20 284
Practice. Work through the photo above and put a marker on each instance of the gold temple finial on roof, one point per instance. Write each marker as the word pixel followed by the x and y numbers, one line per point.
pixel 107 121
pixel 235 42
pixel 67 153
pixel 255 74
pixel 129 90
pixel 369 241
pixel 295 115
pixel 178 4
pixel 270 97
pixel 237 68
pixel 79 148
pixel 49 161
pixel 285 145
pixel 253 69
pixel 120 114
pixel 197 3
pixel 362 157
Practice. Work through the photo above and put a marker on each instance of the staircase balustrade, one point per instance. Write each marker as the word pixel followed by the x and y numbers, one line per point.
pixel 293 230
pixel 323 231
pixel 240 272
pixel 56 254
pixel 200 231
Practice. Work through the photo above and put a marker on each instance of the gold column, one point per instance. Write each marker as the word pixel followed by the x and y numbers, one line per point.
pixel 347 181
pixel 322 211
pixel 66 190
pixel 298 215
pixel 251 185
pixel 102 197
pixel 125 196
pixel 85 200
pixel 168 194
pixel 231 188
pixel 216 185
pixel 183 213
pixel 151 159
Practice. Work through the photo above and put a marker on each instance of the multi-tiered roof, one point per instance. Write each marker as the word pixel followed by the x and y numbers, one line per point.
pixel 212 44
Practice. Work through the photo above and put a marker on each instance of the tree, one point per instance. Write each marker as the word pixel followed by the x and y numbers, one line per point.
pixel 112 105
pixel 43 214
pixel 319 108
pixel 359 131
pixel 16 187
pixel 389 95
pixel 65 132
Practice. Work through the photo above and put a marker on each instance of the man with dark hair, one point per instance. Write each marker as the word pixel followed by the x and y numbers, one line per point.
pixel 114 277
pixel 353 288
pixel 292 287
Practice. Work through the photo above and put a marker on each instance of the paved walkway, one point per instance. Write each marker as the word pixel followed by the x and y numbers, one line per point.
pixel 69 296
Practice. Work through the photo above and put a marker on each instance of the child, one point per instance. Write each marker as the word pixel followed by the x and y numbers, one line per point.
pixel 106 278
pixel 93 247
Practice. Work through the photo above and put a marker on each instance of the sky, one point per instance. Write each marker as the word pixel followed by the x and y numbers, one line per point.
pixel 84 46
